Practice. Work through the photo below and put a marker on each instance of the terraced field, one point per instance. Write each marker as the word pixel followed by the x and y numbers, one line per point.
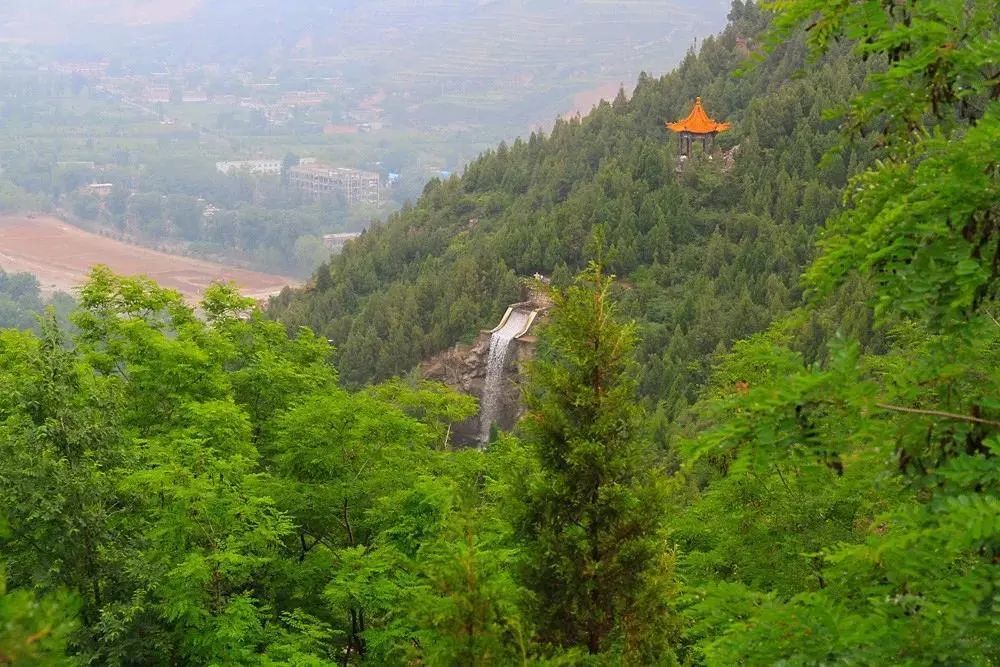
pixel 516 57
pixel 452 60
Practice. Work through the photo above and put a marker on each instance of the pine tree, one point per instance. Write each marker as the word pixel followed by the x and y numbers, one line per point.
pixel 596 560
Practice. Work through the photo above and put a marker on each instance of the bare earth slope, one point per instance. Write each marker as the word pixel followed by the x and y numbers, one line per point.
pixel 61 255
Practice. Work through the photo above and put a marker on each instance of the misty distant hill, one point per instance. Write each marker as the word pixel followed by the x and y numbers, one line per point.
pixel 422 39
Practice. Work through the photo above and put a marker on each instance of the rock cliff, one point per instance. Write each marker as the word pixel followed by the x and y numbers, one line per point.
pixel 463 368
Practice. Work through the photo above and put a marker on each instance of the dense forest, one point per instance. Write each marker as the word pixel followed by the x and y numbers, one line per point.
pixel 709 255
pixel 212 486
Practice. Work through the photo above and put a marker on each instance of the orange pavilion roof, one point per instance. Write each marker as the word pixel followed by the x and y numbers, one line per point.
pixel 698 122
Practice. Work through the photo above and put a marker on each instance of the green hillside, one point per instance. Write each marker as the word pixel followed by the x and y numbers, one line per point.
pixel 186 485
pixel 708 256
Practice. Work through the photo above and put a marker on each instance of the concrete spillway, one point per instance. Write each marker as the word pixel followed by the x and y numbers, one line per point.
pixel 515 323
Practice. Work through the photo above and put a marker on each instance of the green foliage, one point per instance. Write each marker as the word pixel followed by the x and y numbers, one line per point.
pixel 228 503
pixel 940 53
pixel 597 561
pixel 924 228
pixel 185 486
pixel 431 403
pixel 871 479
pixel 455 599
pixel 34 631
pixel 21 301
pixel 197 485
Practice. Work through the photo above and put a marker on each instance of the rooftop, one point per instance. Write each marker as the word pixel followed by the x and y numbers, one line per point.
pixel 698 122
pixel 325 169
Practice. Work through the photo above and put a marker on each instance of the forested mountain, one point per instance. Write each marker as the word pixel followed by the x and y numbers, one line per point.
pixel 182 486
pixel 707 255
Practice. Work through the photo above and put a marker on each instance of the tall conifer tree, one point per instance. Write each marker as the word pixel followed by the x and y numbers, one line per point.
pixel 596 562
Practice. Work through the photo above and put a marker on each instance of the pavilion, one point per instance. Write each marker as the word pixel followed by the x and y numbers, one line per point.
pixel 697 126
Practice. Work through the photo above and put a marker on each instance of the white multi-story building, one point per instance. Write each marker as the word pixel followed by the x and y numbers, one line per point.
pixel 338 241
pixel 256 167
pixel 317 180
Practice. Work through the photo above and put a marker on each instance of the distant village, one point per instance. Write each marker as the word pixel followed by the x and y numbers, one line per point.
pixel 320 104
pixel 319 107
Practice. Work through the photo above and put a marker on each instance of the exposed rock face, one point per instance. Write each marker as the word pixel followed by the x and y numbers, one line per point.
pixel 729 158
pixel 463 368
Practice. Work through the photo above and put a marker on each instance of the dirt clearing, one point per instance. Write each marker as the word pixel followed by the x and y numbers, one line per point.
pixel 61 255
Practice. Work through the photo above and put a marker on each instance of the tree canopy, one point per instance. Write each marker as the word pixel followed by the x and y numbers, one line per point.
pixel 697 479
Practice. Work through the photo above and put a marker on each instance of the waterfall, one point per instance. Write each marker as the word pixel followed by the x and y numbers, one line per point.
pixel 496 364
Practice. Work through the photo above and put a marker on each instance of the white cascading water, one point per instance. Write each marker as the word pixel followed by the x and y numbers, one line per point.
pixel 489 407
